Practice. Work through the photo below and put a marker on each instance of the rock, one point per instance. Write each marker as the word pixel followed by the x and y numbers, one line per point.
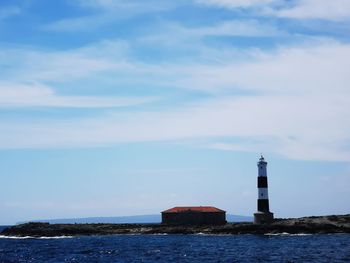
pixel 307 225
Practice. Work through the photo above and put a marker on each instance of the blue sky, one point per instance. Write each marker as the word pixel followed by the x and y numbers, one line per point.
pixel 112 108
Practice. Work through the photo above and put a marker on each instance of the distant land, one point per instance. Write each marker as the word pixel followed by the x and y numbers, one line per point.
pixel 139 219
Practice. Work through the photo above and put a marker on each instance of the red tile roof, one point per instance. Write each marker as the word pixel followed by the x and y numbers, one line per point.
pixel 201 209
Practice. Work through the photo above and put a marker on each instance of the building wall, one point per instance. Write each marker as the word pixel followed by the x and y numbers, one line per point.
pixel 194 218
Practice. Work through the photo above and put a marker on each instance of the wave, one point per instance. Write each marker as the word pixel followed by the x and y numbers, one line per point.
pixel 30 237
pixel 286 234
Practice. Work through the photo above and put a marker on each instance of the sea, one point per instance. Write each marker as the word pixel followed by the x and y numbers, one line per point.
pixel 178 248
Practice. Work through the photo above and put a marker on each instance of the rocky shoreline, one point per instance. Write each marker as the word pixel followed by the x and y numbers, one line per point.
pixel 304 225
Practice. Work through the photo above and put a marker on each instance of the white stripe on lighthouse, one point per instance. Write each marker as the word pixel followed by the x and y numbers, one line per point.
pixel 263 194
pixel 262 169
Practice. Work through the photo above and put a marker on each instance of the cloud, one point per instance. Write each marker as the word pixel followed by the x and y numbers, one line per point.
pixel 294 100
pixel 85 23
pixel 176 38
pixel 27 84
pixel 248 28
pixel 293 127
pixel 336 10
pixel 106 12
pixel 298 108
pixel 309 69
pixel 236 3
pixel 62 65
pixel 134 5
pixel 38 95
pixel 292 148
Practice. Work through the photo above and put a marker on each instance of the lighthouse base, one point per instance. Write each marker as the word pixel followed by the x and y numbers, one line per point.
pixel 263 218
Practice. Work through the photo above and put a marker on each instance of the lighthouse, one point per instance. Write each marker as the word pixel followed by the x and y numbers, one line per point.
pixel 263 215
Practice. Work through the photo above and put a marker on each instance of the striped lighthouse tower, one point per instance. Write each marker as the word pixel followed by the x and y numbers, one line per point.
pixel 263 215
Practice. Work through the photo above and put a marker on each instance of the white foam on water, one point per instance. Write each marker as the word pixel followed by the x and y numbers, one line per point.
pixel 29 237
pixel 286 234
pixel 59 237
pixel 13 237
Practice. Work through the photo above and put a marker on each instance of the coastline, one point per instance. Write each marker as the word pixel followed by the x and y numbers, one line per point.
pixel 304 225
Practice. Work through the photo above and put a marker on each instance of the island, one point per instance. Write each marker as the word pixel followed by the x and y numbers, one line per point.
pixel 304 225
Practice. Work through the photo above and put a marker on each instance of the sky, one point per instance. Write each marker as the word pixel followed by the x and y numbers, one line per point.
pixel 131 107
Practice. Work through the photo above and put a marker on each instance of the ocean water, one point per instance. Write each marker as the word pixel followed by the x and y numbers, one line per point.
pixel 178 248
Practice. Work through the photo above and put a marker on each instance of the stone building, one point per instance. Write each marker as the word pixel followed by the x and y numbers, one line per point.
pixel 194 215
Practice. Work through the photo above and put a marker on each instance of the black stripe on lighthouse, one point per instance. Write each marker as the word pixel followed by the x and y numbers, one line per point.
pixel 263 205
pixel 262 182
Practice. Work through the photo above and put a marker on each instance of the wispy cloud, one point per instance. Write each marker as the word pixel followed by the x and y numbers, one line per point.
pixel 336 10
pixel 106 12
pixel 293 98
pixel 38 95
pixel 236 27
pixel 280 122
pixel 303 118
pixel 236 3
pixel 84 23
pixel 302 66
pixel 135 5
pixel 176 37
pixel 61 65
pixel 27 84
